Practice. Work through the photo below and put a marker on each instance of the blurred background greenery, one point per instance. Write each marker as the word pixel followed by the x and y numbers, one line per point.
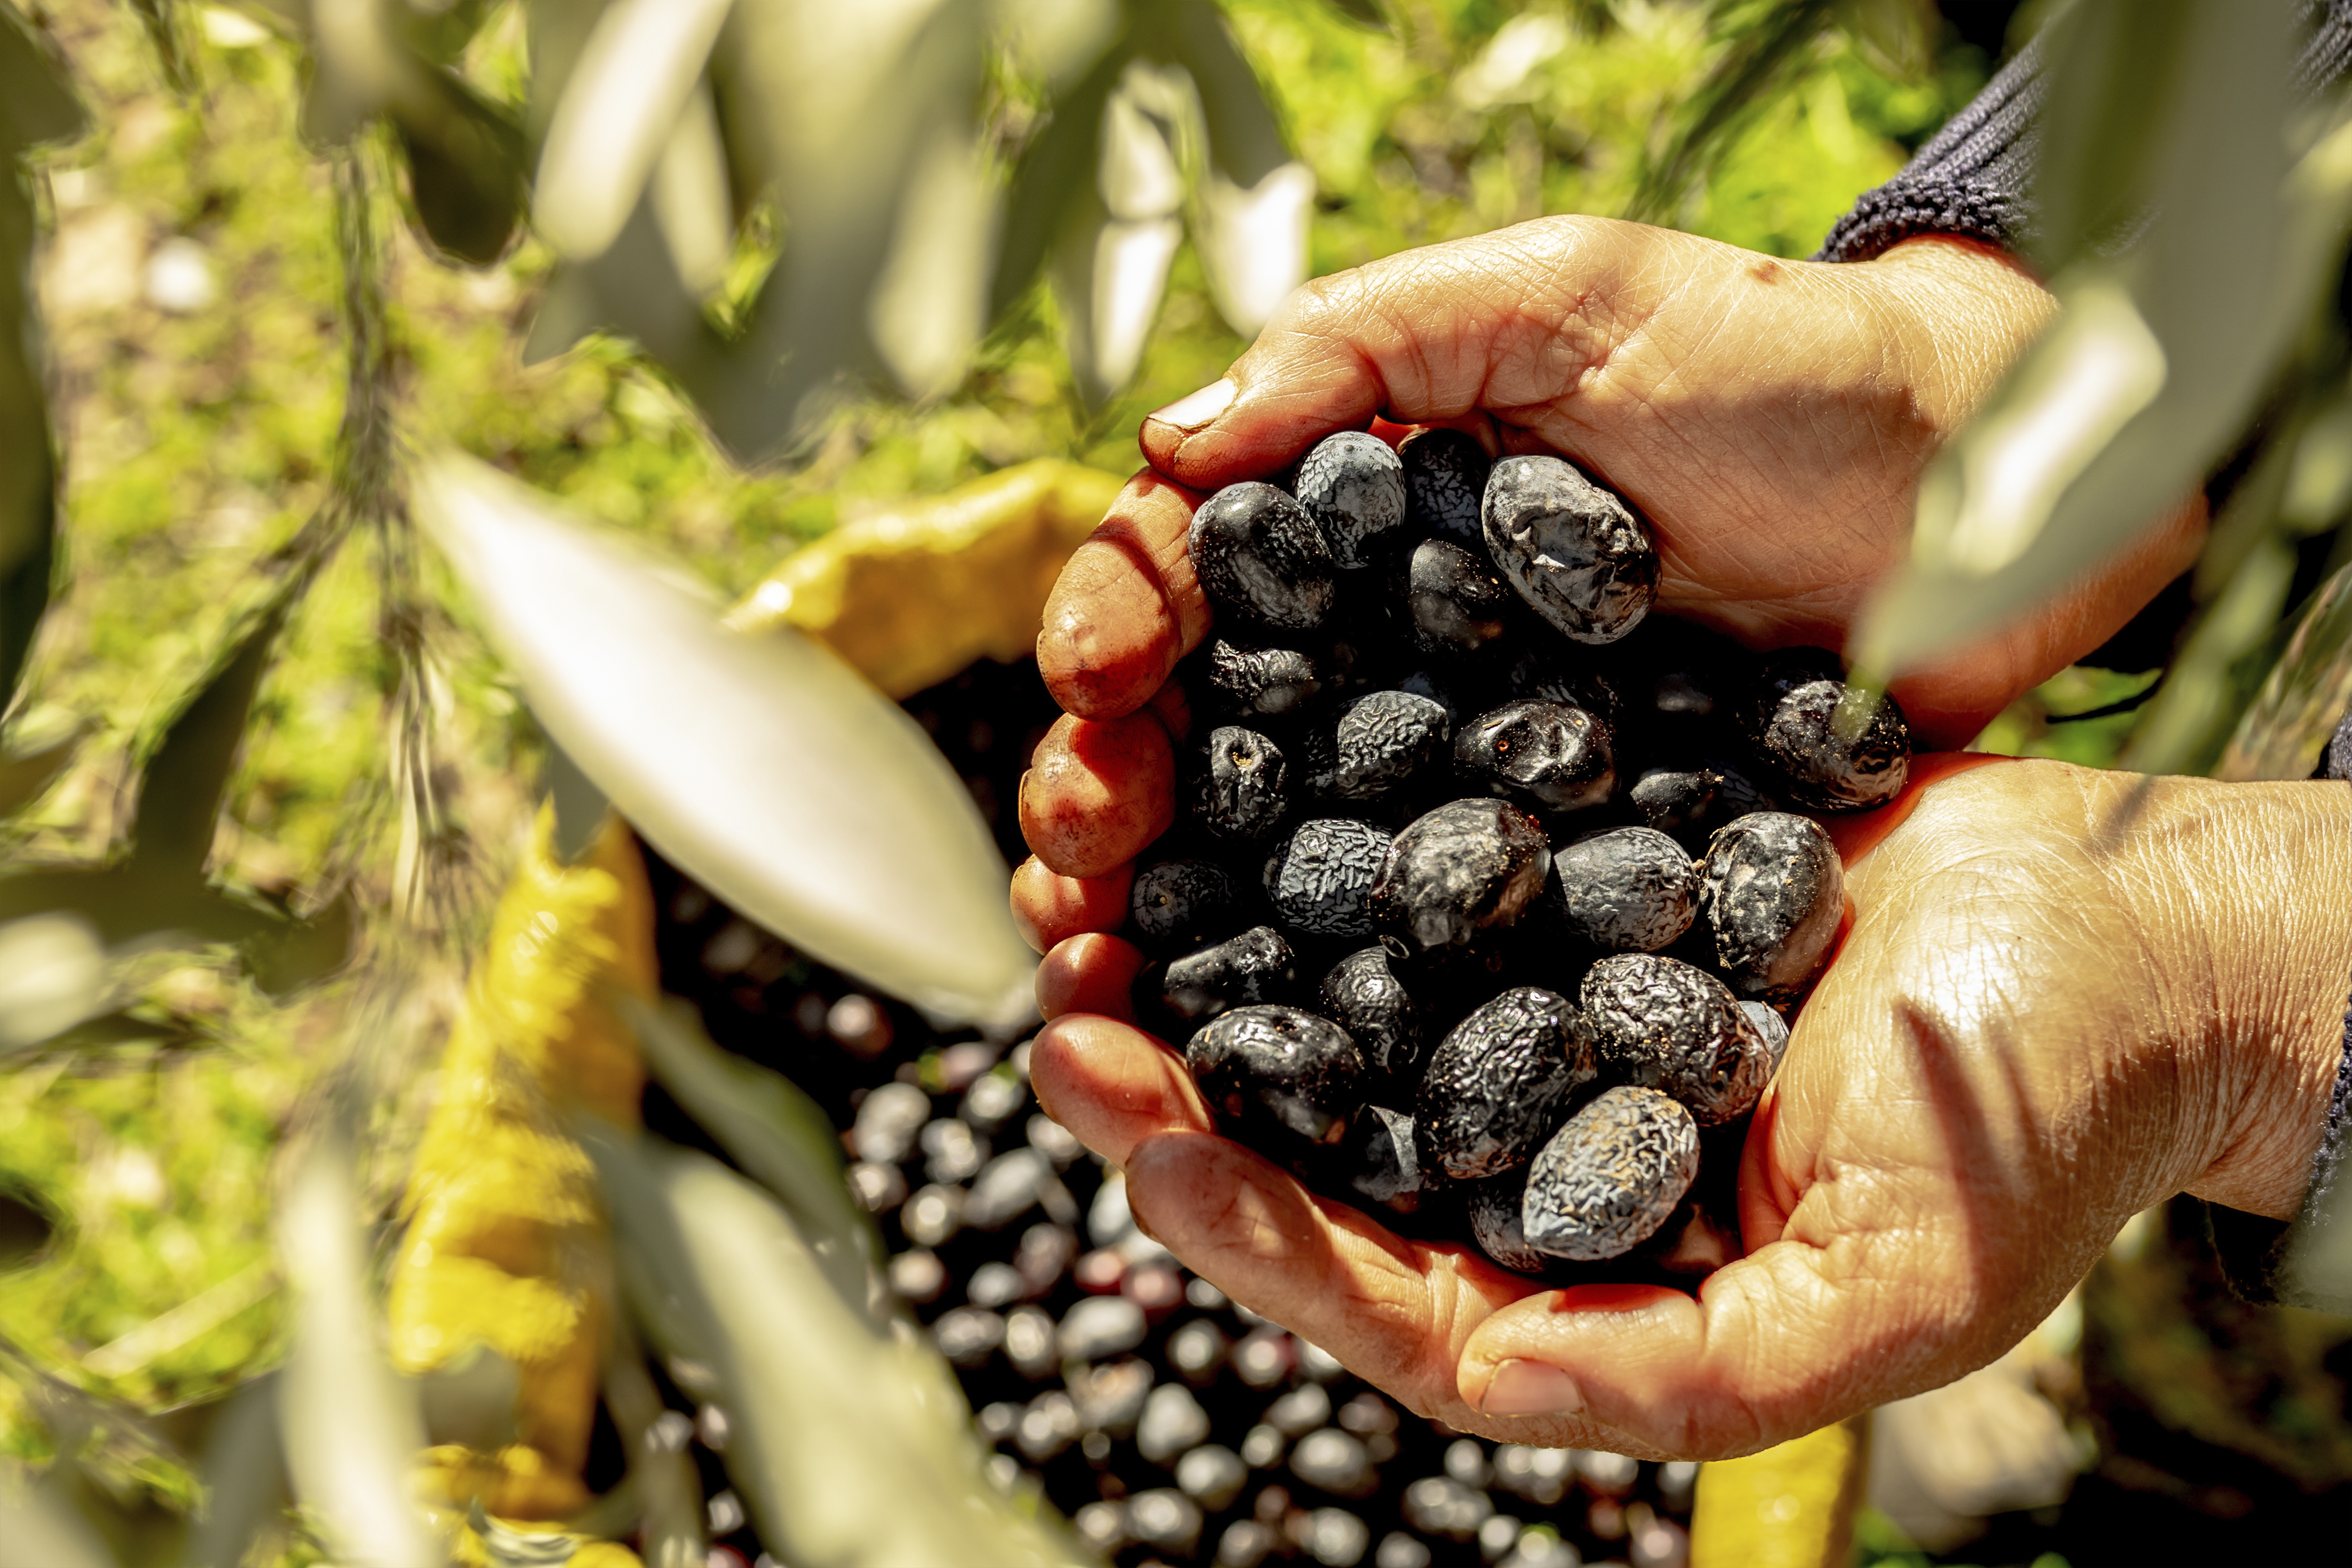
pixel 275 259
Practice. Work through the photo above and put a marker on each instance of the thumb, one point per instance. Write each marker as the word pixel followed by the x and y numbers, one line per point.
pixel 1502 321
pixel 1787 1340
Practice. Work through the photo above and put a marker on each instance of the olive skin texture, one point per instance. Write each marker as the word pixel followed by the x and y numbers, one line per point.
pixel 1261 683
pixel 1773 892
pixel 1261 560
pixel 1609 1179
pixel 1379 743
pixel 1574 551
pixel 1494 1208
pixel 1659 1023
pixel 1255 967
pixel 1182 903
pixel 1466 868
pixel 1362 995
pixel 1445 474
pixel 1687 804
pixel 1815 766
pixel 1282 1081
pixel 1458 605
pixel 1544 755
pixel 1499 1082
pixel 1631 889
pixel 1353 486
pixel 1320 879
pixel 1244 792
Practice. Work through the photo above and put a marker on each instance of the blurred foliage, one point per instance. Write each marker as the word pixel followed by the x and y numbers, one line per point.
pixel 212 345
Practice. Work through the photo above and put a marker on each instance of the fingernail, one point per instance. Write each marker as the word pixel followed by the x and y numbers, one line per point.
pixel 1195 409
pixel 1532 1388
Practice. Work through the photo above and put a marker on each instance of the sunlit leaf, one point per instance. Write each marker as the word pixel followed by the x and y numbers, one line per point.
pixel 1110 276
pixel 1254 242
pixel 351 1427
pixel 763 766
pixel 930 303
pixel 52 976
pixel 851 1443
pixel 2155 364
pixel 2182 727
pixel 778 1134
pixel 1897 36
pixel 668 1488
pixel 1371 13
pixel 1056 171
pixel 633 78
pixel 1058 41
pixel 690 198
pixel 2307 692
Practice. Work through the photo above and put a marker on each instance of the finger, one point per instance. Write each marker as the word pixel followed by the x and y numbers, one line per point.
pixel 1502 321
pixel 1806 1330
pixel 1111 1084
pixel 1096 793
pixel 1089 973
pixel 1126 605
pixel 1391 1309
pixel 1050 908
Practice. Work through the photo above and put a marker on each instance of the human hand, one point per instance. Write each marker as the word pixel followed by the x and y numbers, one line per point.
pixel 2063 995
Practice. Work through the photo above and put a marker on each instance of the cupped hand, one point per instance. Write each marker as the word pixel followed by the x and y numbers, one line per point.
pixel 2063 995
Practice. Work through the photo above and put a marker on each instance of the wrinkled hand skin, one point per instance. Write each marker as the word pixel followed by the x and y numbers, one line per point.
pixel 2064 995
pixel 1769 418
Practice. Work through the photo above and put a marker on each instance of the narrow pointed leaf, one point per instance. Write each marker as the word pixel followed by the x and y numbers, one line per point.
pixel 851 1443
pixel 351 1427
pixel 1252 242
pixel 465 173
pixel 2306 694
pixel 1056 172
pixel 626 91
pixel 2155 365
pixel 766 768
pixel 930 306
pixel 40 1526
pixel 775 1133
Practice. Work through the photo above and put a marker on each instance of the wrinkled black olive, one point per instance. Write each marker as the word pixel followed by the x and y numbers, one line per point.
pixel 1182 903
pixel 1773 892
pixel 1255 967
pixel 1362 995
pixel 1261 560
pixel 1278 1078
pixel 1576 552
pixel 1463 869
pixel 1661 1024
pixel 1245 789
pixel 1353 486
pixel 1458 604
pixel 1498 1084
pixel 1544 755
pixel 1610 1177
pixel 1320 879
pixel 1631 889
pixel 1445 476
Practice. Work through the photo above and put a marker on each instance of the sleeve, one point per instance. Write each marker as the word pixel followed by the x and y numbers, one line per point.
pixel 1975 177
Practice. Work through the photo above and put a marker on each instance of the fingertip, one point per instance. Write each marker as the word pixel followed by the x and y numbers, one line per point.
pixel 1111 1084
pixel 1097 792
pixel 1126 605
pixel 1050 908
pixel 1089 973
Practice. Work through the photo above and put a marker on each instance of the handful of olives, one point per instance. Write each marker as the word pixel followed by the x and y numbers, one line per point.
pixel 1484 909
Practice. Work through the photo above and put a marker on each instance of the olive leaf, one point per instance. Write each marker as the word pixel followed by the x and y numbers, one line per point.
pixel 765 767
pixel 777 1134
pixel 722 1275
pixel 2158 357
pixel 2286 728
pixel 244 1476
pixel 1254 200
pixel 626 91
pixel 351 1427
